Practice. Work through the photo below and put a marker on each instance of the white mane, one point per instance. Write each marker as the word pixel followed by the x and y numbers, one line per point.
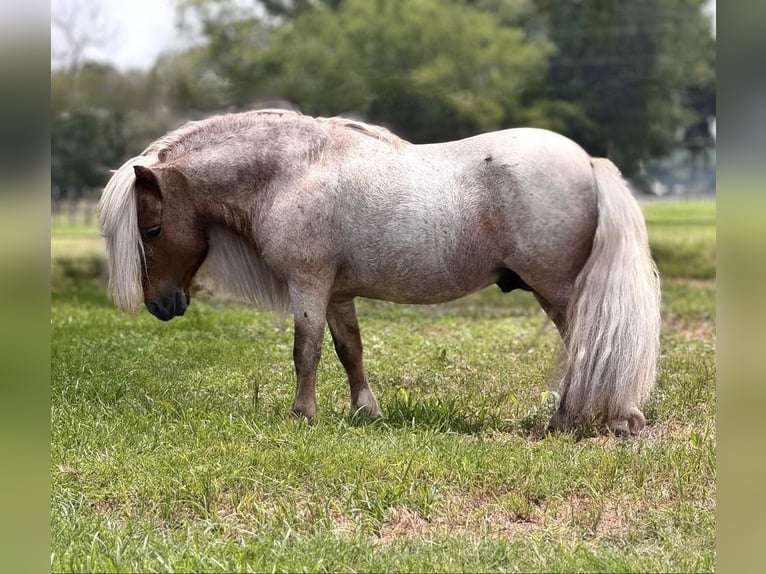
pixel 233 265
pixel 118 223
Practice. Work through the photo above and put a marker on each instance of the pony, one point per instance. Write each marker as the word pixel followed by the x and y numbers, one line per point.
pixel 301 214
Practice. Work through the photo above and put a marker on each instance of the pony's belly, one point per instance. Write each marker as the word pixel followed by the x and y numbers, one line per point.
pixel 421 297
pixel 418 288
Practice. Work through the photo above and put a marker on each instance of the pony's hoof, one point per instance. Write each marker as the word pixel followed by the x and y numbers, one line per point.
pixel 302 413
pixel 618 427
pixel 367 411
pixel 636 421
pixel 633 424
pixel 366 406
pixel 560 423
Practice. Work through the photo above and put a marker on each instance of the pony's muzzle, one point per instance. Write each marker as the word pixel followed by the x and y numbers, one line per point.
pixel 169 305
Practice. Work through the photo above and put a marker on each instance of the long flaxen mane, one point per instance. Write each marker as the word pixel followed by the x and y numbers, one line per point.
pixel 233 263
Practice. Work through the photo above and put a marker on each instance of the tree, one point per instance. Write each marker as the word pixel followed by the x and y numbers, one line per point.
pixel 78 26
pixel 112 115
pixel 85 145
pixel 621 78
pixel 432 69
pixel 277 10
pixel 187 85
pixel 633 69
pixel 294 8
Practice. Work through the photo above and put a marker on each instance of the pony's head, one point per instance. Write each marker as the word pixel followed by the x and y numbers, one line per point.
pixel 155 240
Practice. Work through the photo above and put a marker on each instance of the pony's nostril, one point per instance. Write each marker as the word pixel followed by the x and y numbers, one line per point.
pixel 160 310
pixel 181 303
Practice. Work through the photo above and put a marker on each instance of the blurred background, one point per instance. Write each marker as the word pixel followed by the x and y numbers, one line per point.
pixel 634 81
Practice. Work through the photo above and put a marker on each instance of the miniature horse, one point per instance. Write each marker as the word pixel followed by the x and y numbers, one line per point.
pixel 305 214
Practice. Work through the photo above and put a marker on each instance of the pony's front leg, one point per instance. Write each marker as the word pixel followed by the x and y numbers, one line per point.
pixel 309 310
pixel 344 327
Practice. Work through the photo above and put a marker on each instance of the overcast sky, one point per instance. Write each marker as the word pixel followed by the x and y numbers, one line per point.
pixel 135 31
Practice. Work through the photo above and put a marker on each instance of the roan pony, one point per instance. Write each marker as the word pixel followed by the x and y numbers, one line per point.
pixel 304 214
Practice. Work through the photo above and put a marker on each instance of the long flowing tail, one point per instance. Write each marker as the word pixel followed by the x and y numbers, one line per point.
pixel 612 333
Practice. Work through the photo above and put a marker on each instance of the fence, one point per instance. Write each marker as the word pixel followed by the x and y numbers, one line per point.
pixel 73 209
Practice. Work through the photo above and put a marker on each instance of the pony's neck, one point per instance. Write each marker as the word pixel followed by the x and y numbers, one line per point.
pixel 233 185
pixel 238 217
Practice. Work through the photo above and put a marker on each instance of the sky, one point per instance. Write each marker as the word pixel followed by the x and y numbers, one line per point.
pixel 136 31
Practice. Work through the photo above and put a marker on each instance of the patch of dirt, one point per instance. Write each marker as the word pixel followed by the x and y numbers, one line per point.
pixel 343 525
pixel 662 433
pixel 694 330
pixel 471 515
pixel 403 523
pixel 694 283
pixel 602 517
pixel 67 470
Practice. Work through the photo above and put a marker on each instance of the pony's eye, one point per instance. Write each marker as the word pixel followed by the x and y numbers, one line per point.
pixel 152 232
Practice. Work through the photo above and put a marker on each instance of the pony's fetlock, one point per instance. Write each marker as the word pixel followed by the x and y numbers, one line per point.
pixel 366 411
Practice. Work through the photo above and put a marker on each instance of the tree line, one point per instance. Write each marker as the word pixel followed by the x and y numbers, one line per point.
pixel 630 80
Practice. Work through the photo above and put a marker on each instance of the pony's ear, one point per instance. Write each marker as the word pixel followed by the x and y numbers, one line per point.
pixel 146 178
pixel 148 195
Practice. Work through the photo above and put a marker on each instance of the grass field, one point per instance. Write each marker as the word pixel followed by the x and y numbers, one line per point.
pixel 172 449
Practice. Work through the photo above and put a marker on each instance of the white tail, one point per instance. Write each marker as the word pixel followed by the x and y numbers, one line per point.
pixel 612 333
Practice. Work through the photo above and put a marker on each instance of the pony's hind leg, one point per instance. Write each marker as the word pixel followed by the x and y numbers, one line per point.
pixel 557 314
pixel 344 327
pixel 561 419
pixel 617 421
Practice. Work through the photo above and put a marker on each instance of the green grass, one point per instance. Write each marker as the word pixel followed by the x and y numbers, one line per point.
pixel 76 247
pixel 172 449
pixel 683 238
